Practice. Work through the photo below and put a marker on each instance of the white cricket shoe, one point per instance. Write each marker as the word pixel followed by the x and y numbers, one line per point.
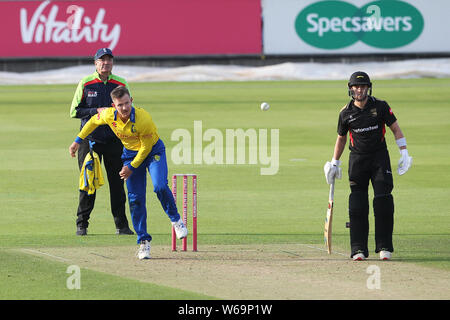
pixel 180 229
pixel 144 250
pixel 385 255
pixel 359 257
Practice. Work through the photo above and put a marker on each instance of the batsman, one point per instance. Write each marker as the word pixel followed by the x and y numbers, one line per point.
pixel 365 118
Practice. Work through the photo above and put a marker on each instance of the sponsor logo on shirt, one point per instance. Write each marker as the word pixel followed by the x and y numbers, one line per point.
pixel 351 119
pixel 371 128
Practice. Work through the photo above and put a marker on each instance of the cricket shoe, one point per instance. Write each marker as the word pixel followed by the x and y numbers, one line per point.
pixel 359 257
pixel 125 230
pixel 81 231
pixel 385 255
pixel 144 250
pixel 180 229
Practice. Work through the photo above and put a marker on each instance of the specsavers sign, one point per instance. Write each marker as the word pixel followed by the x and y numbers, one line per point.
pixel 355 26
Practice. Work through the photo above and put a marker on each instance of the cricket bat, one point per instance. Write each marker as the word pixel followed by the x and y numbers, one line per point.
pixel 329 219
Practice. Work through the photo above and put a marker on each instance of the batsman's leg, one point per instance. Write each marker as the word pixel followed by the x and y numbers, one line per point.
pixel 383 208
pixel 383 202
pixel 358 203
pixel 358 208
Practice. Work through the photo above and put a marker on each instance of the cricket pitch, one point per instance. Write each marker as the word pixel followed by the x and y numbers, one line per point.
pixel 262 272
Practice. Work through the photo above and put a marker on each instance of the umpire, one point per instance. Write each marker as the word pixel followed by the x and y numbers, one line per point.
pixel 91 97
pixel 364 118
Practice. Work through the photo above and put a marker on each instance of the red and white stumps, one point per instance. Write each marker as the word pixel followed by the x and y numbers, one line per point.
pixel 185 209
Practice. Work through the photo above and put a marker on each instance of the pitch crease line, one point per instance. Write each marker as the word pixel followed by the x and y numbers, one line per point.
pixel 46 254
pixel 320 249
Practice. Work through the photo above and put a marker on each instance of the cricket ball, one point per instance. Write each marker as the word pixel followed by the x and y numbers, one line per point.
pixel 265 106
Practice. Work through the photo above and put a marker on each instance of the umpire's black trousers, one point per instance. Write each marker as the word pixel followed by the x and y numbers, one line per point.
pixel 109 153
pixel 374 167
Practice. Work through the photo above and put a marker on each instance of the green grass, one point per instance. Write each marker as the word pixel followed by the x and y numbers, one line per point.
pixel 38 185
pixel 29 277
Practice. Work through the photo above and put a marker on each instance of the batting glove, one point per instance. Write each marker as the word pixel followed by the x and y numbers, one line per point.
pixel 405 162
pixel 332 170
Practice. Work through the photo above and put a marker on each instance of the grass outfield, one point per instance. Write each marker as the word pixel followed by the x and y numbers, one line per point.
pixel 237 205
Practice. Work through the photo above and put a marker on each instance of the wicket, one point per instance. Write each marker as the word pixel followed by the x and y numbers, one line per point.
pixel 185 209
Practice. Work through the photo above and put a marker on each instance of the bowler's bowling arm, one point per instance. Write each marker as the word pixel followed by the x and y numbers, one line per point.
pixel 90 126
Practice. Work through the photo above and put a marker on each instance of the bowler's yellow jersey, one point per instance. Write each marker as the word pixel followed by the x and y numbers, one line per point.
pixel 139 133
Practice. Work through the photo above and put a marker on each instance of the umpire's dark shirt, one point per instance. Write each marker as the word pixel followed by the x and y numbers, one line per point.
pixel 366 126
pixel 93 93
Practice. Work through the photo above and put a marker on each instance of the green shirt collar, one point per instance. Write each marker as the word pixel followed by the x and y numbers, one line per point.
pixel 97 76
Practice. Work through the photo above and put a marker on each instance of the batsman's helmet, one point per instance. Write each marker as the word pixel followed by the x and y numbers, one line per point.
pixel 359 78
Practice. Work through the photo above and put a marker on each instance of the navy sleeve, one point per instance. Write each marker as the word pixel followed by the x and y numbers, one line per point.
pixel 83 110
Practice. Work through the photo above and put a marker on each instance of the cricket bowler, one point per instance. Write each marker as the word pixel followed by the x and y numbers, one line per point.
pixel 143 150
pixel 364 119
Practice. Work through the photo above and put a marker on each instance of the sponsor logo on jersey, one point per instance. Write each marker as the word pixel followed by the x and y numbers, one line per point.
pixel 371 128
